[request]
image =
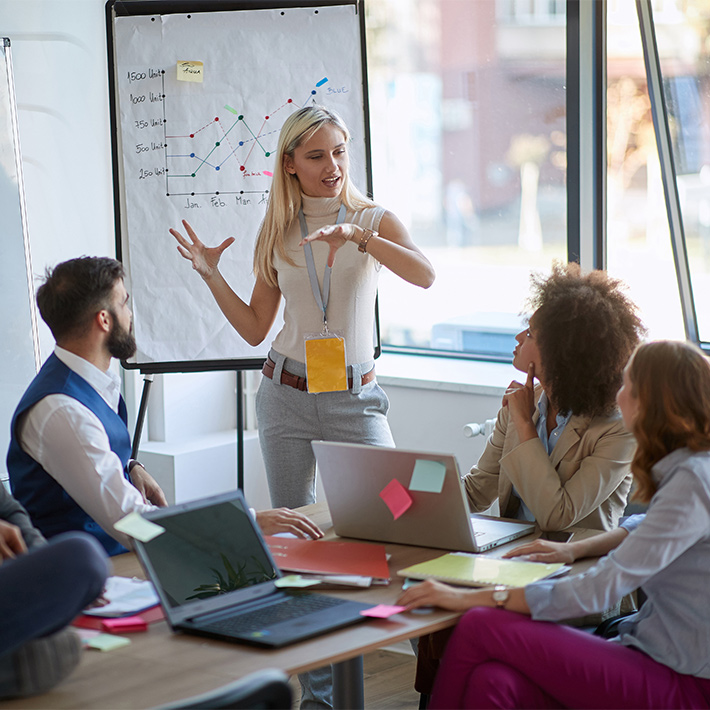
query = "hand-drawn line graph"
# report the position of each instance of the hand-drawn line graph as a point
(227, 154)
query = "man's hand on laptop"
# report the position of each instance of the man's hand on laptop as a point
(279, 520)
(147, 486)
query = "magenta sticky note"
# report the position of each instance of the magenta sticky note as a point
(124, 624)
(382, 611)
(397, 498)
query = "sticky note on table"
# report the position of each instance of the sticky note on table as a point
(124, 624)
(382, 611)
(136, 526)
(396, 497)
(190, 71)
(107, 642)
(294, 581)
(428, 476)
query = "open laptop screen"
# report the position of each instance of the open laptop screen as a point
(206, 551)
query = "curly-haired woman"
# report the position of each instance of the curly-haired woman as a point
(559, 453)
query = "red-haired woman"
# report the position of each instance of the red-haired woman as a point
(499, 657)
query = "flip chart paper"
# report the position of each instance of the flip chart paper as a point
(428, 476)
(136, 526)
(382, 611)
(396, 497)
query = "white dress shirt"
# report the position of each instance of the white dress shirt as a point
(72, 446)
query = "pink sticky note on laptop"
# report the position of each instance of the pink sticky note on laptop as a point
(396, 497)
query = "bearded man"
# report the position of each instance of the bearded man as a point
(69, 456)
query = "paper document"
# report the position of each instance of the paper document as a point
(478, 571)
(126, 596)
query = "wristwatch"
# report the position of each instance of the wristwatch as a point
(500, 595)
(132, 464)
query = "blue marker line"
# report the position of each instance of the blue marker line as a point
(322, 81)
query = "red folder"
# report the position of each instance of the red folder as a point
(329, 557)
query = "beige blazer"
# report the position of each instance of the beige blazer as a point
(585, 481)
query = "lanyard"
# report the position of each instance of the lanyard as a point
(321, 297)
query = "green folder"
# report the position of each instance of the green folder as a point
(476, 571)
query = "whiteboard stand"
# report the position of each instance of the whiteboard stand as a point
(143, 409)
(203, 149)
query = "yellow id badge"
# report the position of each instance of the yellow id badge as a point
(325, 364)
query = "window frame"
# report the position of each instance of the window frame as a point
(661, 125)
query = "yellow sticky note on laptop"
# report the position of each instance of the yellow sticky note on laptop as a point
(190, 71)
(137, 527)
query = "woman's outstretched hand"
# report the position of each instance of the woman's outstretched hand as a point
(333, 234)
(432, 593)
(204, 259)
(544, 551)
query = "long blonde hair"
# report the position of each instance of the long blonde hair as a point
(285, 196)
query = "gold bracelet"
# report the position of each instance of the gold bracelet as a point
(367, 234)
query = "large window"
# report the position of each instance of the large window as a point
(467, 104)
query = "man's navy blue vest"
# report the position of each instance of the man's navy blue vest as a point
(51, 508)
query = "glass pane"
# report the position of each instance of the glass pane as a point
(467, 106)
(638, 246)
(683, 38)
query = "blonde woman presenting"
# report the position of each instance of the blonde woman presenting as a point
(312, 179)
(319, 248)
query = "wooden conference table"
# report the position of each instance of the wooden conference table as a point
(160, 667)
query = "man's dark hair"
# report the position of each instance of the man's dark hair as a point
(586, 328)
(74, 291)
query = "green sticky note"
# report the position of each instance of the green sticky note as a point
(136, 526)
(295, 581)
(108, 642)
(428, 476)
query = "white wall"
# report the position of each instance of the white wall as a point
(59, 57)
(61, 85)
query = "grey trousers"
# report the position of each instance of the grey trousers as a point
(288, 421)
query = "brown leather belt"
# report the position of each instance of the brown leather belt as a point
(299, 383)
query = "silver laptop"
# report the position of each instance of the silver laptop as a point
(354, 475)
(215, 576)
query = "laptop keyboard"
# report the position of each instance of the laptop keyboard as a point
(291, 608)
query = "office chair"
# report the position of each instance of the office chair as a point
(263, 690)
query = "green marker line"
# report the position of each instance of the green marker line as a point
(229, 108)
(256, 139)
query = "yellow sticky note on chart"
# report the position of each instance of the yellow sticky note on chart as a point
(190, 71)
(325, 365)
